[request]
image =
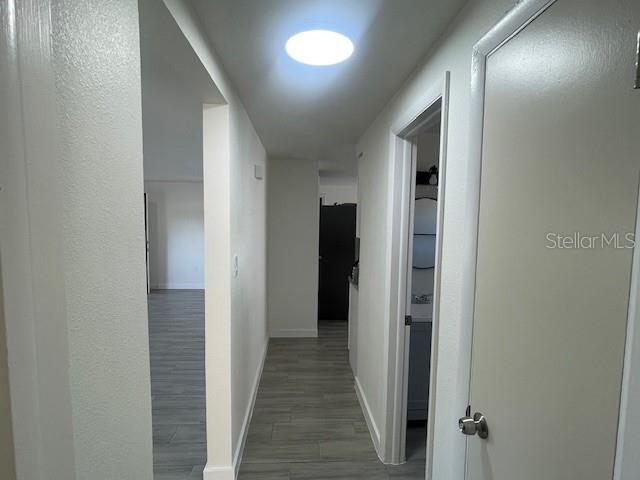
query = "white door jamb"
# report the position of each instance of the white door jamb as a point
(402, 171)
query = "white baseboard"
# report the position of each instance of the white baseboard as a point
(218, 473)
(368, 416)
(294, 333)
(178, 286)
(242, 440)
(231, 472)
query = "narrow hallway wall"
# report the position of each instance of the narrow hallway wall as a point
(293, 216)
(243, 229)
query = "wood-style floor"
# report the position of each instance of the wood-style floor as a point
(307, 423)
(176, 342)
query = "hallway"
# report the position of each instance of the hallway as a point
(307, 423)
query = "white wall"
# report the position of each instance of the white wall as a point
(338, 190)
(293, 223)
(218, 292)
(72, 229)
(176, 234)
(102, 179)
(235, 221)
(25, 176)
(453, 52)
(172, 126)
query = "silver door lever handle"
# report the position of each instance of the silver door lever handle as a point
(474, 426)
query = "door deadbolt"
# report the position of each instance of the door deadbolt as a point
(474, 426)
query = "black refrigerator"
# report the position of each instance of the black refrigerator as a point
(337, 254)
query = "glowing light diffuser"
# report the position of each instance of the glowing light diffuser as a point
(319, 47)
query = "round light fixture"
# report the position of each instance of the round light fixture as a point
(319, 47)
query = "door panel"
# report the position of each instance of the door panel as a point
(560, 155)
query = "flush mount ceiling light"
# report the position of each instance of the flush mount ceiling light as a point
(319, 47)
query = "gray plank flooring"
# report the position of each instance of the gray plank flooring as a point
(307, 423)
(176, 342)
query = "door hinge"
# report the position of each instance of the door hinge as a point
(408, 320)
(637, 84)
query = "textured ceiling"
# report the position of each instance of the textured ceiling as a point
(319, 112)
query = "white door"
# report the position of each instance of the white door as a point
(560, 162)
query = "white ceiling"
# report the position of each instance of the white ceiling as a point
(165, 52)
(311, 112)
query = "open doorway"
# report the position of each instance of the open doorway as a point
(175, 90)
(418, 194)
(420, 284)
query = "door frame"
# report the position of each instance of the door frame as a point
(401, 178)
(511, 24)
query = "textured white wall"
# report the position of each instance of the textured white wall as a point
(176, 234)
(293, 223)
(96, 57)
(73, 241)
(452, 52)
(246, 232)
